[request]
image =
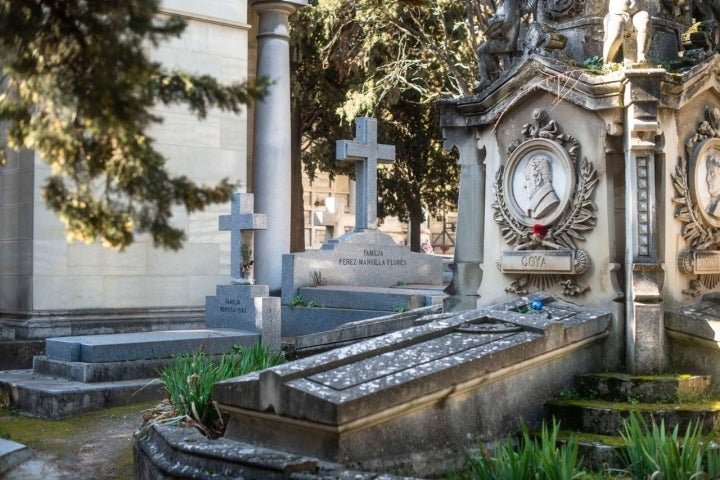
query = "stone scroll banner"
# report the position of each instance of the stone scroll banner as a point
(359, 262)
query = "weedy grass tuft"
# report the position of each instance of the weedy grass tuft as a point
(190, 377)
(653, 452)
(526, 458)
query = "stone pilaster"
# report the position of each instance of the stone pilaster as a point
(645, 332)
(467, 273)
(271, 159)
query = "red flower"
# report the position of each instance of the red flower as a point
(539, 230)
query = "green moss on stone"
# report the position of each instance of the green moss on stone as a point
(63, 438)
(707, 405)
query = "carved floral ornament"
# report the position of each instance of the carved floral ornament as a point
(558, 9)
(697, 198)
(543, 206)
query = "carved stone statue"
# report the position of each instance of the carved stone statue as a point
(624, 17)
(500, 38)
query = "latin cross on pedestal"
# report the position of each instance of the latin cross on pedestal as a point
(366, 153)
(241, 218)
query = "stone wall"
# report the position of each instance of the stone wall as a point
(42, 273)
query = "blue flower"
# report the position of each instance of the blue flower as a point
(536, 304)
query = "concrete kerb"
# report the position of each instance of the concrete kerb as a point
(172, 452)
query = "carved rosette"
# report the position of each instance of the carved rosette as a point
(696, 200)
(544, 208)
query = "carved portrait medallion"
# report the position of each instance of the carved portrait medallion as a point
(704, 180)
(538, 181)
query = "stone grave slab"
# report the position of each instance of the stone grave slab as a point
(145, 345)
(693, 333)
(369, 258)
(58, 397)
(411, 390)
(371, 298)
(364, 329)
(333, 306)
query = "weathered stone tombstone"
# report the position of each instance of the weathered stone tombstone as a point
(242, 305)
(359, 259)
(104, 368)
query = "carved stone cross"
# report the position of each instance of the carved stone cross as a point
(366, 153)
(241, 218)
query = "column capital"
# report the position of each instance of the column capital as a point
(277, 6)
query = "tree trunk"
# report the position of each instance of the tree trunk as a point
(297, 208)
(414, 232)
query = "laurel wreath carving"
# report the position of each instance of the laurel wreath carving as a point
(571, 228)
(695, 232)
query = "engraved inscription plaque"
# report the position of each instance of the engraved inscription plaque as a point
(570, 262)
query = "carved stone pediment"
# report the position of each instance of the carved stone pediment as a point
(544, 208)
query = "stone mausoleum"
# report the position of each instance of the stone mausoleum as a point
(595, 186)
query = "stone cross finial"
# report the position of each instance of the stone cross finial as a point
(366, 153)
(241, 218)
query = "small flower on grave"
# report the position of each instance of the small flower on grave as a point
(246, 266)
(246, 252)
(536, 304)
(539, 230)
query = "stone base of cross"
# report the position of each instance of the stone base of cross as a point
(242, 222)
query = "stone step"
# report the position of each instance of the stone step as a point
(606, 418)
(642, 389)
(55, 398)
(99, 372)
(145, 345)
(12, 454)
(598, 452)
(387, 299)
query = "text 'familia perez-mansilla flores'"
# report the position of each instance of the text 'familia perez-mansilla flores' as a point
(373, 258)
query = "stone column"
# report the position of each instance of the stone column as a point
(271, 140)
(645, 331)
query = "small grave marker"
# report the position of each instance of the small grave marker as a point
(241, 218)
